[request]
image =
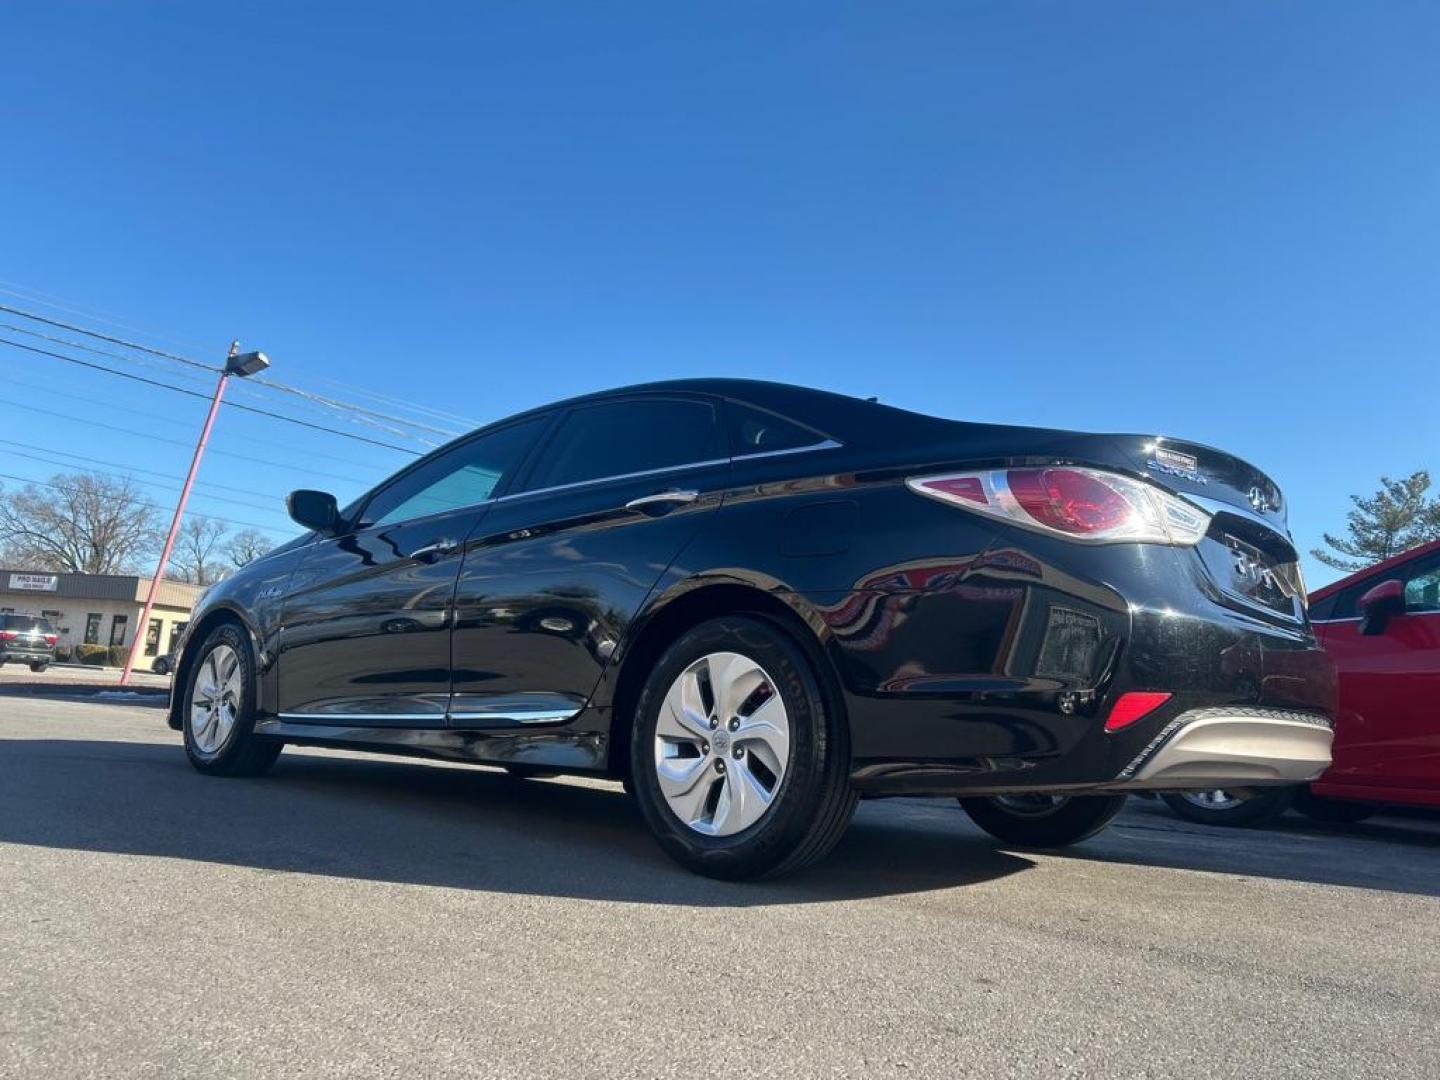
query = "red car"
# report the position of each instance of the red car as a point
(1381, 626)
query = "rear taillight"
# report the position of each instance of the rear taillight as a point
(1082, 504)
(8, 635)
(50, 639)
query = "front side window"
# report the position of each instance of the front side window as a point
(1422, 584)
(464, 476)
(624, 437)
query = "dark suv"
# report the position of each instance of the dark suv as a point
(757, 603)
(27, 639)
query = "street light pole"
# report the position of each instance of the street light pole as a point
(235, 364)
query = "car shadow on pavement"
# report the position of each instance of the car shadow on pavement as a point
(1389, 853)
(394, 820)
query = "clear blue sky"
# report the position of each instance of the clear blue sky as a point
(1211, 220)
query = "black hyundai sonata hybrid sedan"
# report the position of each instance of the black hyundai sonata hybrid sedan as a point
(757, 603)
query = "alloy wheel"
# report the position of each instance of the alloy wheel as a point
(1031, 806)
(1219, 799)
(215, 700)
(722, 744)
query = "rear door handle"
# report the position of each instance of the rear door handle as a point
(435, 552)
(662, 501)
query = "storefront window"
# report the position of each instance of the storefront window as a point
(92, 628)
(176, 629)
(152, 638)
(117, 629)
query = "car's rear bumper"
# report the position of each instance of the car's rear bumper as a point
(991, 683)
(1231, 747)
(26, 656)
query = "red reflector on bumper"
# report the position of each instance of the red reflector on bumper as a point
(1131, 707)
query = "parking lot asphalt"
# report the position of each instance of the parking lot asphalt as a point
(354, 916)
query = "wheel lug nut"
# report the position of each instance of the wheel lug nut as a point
(704, 747)
(714, 722)
(734, 723)
(719, 765)
(737, 753)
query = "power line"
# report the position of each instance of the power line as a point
(197, 394)
(176, 422)
(179, 442)
(269, 384)
(113, 340)
(88, 465)
(112, 498)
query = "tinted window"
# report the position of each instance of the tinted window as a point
(1323, 610)
(1345, 601)
(463, 476)
(627, 437)
(754, 431)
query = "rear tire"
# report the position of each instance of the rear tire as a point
(38, 668)
(1026, 821)
(1333, 811)
(218, 709)
(1221, 807)
(760, 791)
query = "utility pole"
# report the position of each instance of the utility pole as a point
(236, 363)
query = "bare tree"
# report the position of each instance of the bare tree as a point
(198, 546)
(246, 546)
(89, 523)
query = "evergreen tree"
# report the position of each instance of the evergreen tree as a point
(1394, 519)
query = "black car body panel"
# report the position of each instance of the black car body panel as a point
(968, 654)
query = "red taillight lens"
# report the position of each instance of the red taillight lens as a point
(1089, 505)
(50, 639)
(1134, 706)
(8, 635)
(1068, 500)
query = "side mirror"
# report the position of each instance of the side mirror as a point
(316, 510)
(1379, 604)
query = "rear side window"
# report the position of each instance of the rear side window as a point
(624, 437)
(23, 624)
(754, 431)
(462, 476)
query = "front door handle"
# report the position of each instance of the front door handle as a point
(662, 501)
(435, 552)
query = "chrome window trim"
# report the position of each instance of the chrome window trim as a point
(610, 479)
(1361, 618)
(823, 444)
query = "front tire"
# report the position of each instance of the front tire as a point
(1221, 807)
(1043, 821)
(38, 668)
(219, 709)
(739, 764)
